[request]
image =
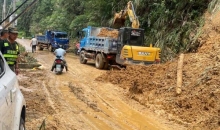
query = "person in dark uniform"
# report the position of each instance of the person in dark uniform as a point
(4, 34)
(10, 49)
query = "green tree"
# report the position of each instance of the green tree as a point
(168, 24)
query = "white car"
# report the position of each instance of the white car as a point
(12, 102)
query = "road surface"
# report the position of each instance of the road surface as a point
(75, 100)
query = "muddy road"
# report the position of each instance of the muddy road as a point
(75, 100)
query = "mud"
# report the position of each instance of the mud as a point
(154, 86)
(74, 100)
(135, 98)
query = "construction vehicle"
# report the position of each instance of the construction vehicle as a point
(52, 39)
(131, 49)
(130, 42)
(95, 46)
(125, 48)
(120, 18)
(111, 47)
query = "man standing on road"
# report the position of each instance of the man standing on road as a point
(10, 49)
(33, 44)
(60, 52)
(4, 34)
(77, 46)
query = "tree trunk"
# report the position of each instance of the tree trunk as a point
(179, 74)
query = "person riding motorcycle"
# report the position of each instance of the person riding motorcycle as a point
(60, 52)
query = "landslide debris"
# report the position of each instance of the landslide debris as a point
(198, 106)
(25, 57)
(106, 32)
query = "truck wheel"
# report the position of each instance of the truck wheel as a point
(40, 48)
(99, 64)
(106, 65)
(82, 57)
(76, 51)
(50, 48)
(22, 124)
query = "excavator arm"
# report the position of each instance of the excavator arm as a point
(119, 18)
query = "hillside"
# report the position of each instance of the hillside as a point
(154, 86)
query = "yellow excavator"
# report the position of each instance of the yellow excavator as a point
(119, 18)
(130, 45)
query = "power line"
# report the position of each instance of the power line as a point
(26, 9)
(13, 12)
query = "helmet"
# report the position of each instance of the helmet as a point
(60, 46)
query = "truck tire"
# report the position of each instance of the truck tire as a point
(40, 48)
(99, 63)
(76, 51)
(82, 57)
(106, 66)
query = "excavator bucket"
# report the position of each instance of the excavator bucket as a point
(119, 20)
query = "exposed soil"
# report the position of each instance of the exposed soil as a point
(74, 100)
(154, 86)
(86, 98)
(106, 32)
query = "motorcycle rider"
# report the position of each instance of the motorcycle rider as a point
(60, 52)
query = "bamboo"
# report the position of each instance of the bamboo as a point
(179, 74)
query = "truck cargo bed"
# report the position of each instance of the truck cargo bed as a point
(103, 44)
(42, 39)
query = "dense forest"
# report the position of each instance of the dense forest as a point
(171, 25)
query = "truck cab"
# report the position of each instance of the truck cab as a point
(56, 38)
(12, 102)
(83, 36)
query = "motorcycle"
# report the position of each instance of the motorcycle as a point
(59, 65)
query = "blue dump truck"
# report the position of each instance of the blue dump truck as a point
(52, 39)
(115, 47)
(94, 46)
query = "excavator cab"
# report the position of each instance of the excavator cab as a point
(131, 49)
(127, 38)
(131, 36)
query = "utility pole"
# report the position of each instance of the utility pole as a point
(13, 16)
(3, 10)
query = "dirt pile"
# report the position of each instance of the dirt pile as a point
(197, 107)
(26, 57)
(38, 106)
(106, 32)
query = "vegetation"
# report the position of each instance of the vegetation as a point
(8, 6)
(172, 25)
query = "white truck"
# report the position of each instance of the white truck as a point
(12, 102)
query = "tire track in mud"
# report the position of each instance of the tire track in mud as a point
(93, 101)
(82, 103)
(103, 103)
